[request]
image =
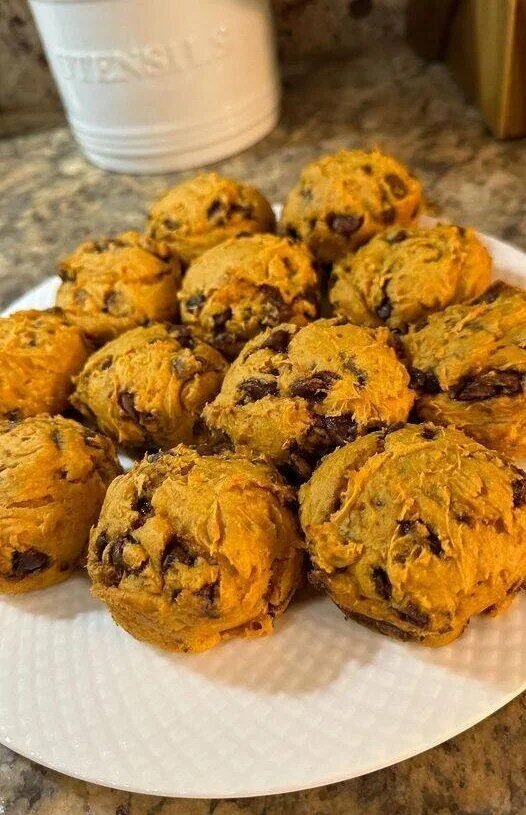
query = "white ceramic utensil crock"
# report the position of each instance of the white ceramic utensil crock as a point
(152, 86)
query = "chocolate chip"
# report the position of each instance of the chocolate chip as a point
(397, 237)
(13, 415)
(489, 385)
(278, 341)
(292, 232)
(424, 381)
(464, 518)
(126, 401)
(56, 438)
(342, 224)
(184, 336)
(314, 388)
(396, 185)
(411, 614)
(434, 542)
(115, 555)
(220, 320)
(171, 223)
(254, 389)
(492, 293)
(143, 506)
(385, 308)
(105, 364)
(429, 433)
(101, 544)
(195, 302)
(274, 308)
(382, 584)
(349, 365)
(29, 561)
(109, 301)
(392, 428)
(388, 216)
(367, 169)
(341, 429)
(209, 593)
(519, 491)
(215, 208)
(405, 527)
(176, 551)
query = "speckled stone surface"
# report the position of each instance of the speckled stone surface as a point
(51, 199)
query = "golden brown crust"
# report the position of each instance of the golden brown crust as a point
(54, 477)
(114, 284)
(415, 532)
(40, 352)
(192, 550)
(342, 200)
(294, 394)
(205, 211)
(403, 275)
(245, 285)
(147, 388)
(468, 365)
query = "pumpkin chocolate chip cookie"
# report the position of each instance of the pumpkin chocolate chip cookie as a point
(115, 284)
(243, 286)
(40, 351)
(468, 365)
(54, 477)
(296, 393)
(402, 275)
(207, 210)
(191, 550)
(416, 531)
(147, 388)
(342, 200)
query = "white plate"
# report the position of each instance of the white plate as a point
(320, 701)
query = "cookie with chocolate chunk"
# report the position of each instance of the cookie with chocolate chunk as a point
(192, 550)
(342, 200)
(294, 393)
(414, 532)
(207, 210)
(243, 286)
(468, 366)
(147, 388)
(40, 352)
(403, 275)
(54, 477)
(114, 284)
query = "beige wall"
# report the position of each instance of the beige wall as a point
(28, 99)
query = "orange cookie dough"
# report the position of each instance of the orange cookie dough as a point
(414, 532)
(468, 366)
(403, 275)
(191, 550)
(243, 286)
(40, 351)
(147, 388)
(342, 200)
(207, 210)
(295, 393)
(115, 284)
(54, 476)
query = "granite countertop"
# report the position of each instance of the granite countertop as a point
(51, 199)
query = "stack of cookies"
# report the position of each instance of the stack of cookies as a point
(363, 442)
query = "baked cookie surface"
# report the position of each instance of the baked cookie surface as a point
(414, 532)
(294, 393)
(114, 284)
(40, 352)
(245, 285)
(402, 275)
(207, 210)
(468, 365)
(342, 200)
(54, 476)
(146, 389)
(191, 550)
